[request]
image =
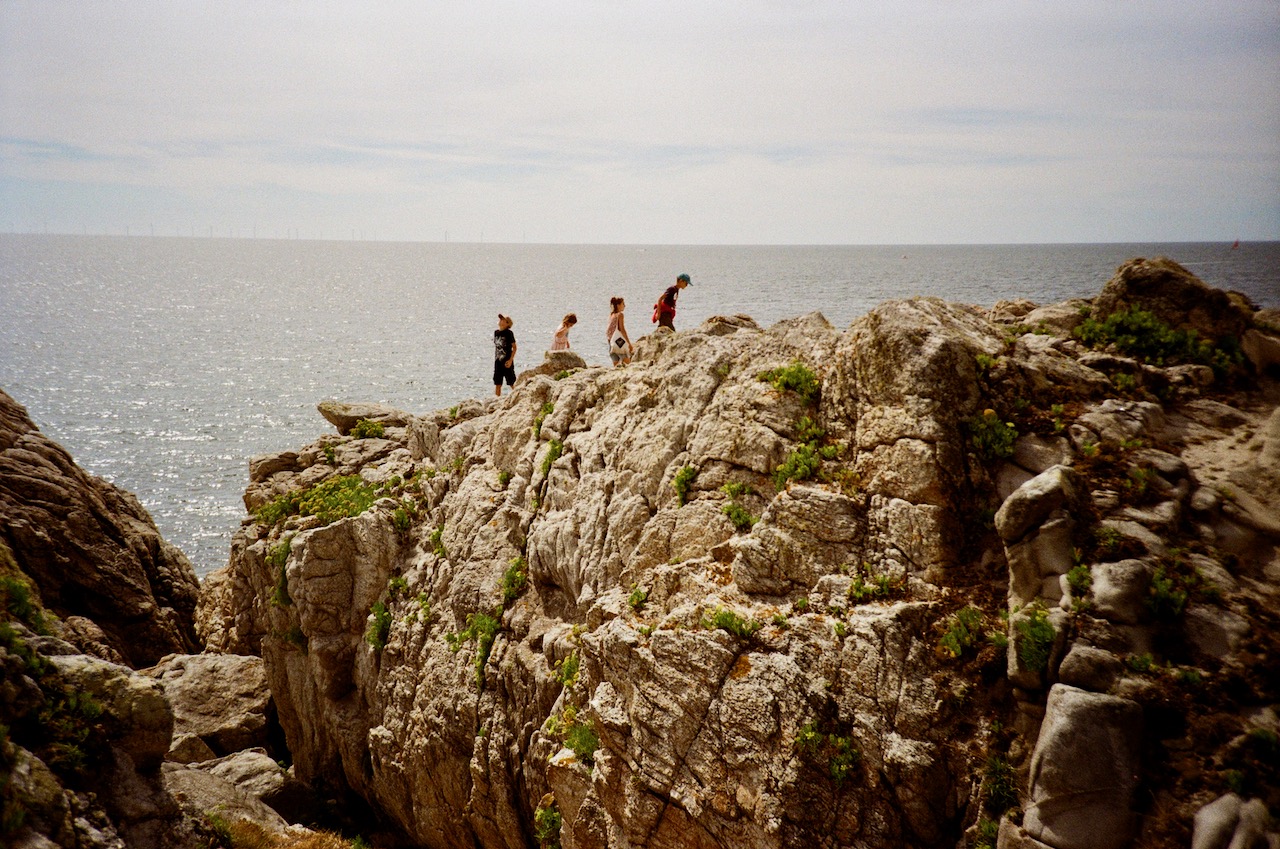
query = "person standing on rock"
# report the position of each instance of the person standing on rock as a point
(620, 349)
(560, 341)
(664, 311)
(504, 354)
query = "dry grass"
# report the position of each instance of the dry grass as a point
(248, 835)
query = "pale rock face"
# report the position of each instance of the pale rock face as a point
(1083, 771)
(562, 630)
(222, 700)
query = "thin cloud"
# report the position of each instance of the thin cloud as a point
(743, 122)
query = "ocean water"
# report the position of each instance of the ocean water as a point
(164, 364)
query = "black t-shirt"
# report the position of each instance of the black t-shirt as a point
(503, 342)
(669, 297)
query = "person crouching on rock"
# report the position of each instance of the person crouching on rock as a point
(560, 341)
(620, 349)
(664, 311)
(504, 354)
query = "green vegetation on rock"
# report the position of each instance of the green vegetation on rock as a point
(797, 378)
(1141, 334)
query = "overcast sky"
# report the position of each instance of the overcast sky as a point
(687, 122)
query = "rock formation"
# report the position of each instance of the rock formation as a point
(91, 551)
(947, 575)
(89, 757)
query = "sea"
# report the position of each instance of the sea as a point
(164, 364)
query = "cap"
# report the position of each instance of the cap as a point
(685, 279)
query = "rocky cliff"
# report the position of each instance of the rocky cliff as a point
(95, 754)
(90, 551)
(950, 576)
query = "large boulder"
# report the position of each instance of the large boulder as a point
(1084, 771)
(136, 712)
(1176, 296)
(90, 548)
(345, 416)
(220, 699)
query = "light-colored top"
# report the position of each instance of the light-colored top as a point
(560, 341)
(614, 318)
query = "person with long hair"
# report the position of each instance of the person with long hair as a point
(620, 348)
(560, 341)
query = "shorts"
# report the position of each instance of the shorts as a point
(667, 320)
(503, 372)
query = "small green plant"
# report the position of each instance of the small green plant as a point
(368, 429)
(801, 604)
(514, 580)
(546, 827)
(797, 378)
(801, 464)
(639, 596)
(566, 670)
(780, 621)
(554, 449)
(402, 520)
(436, 542)
(424, 608)
(583, 742)
(547, 409)
(379, 626)
(1124, 382)
(839, 752)
(991, 437)
(841, 629)
(221, 829)
(1141, 663)
(736, 489)
(17, 600)
(1189, 677)
(988, 832)
(453, 411)
(681, 483)
(742, 520)
(727, 620)
(1000, 784)
(985, 362)
(569, 372)
(330, 456)
(866, 587)
(1058, 410)
(71, 729)
(1080, 579)
(482, 628)
(807, 430)
(504, 478)
(1107, 537)
(1036, 638)
(963, 628)
(277, 557)
(1167, 595)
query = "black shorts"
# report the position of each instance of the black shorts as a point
(503, 372)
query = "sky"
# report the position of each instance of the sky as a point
(746, 122)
